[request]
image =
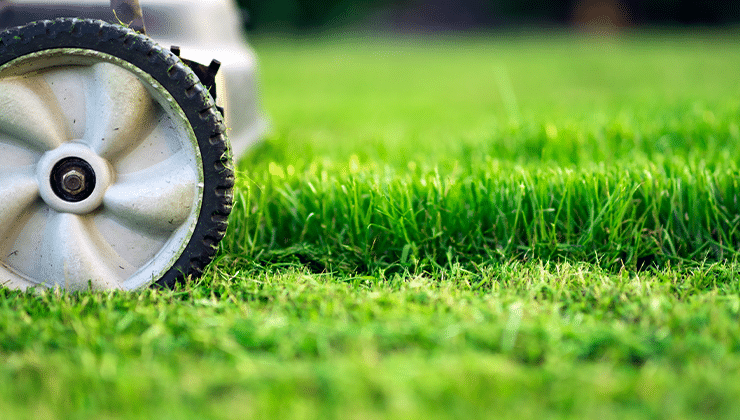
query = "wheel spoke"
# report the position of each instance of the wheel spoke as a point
(30, 114)
(122, 114)
(155, 200)
(74, 255)
(14, 156)
(70, 87)
(22, 243)
(134, 246)
(162, 143)
(18, 191)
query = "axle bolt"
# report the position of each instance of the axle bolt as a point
(73, 181)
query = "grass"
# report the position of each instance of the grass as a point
(632, 215)
(508, 226)
(620, 152)
(530, 340)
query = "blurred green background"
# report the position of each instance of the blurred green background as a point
(412, 15)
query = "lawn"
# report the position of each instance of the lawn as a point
(522, 225)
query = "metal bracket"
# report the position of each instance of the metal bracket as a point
(129, 13)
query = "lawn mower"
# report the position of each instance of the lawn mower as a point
(115, 167)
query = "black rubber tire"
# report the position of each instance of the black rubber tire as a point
(184, 86)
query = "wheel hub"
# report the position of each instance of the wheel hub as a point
(72, 179)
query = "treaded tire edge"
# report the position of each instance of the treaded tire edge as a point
(184, 86)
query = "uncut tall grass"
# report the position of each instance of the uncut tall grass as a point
(616, 151)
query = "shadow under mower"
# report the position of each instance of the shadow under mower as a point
(115, 168)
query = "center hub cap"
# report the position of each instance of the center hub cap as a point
(73, 178)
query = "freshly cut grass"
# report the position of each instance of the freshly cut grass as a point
(517, 226)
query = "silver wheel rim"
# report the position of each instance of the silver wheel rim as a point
(139, 153)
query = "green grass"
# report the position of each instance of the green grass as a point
(504, 226)
(620, 152)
